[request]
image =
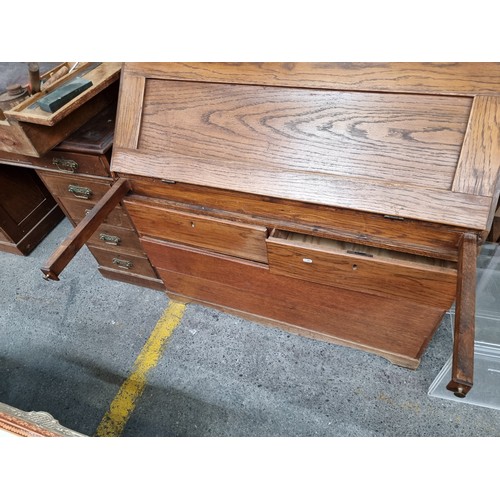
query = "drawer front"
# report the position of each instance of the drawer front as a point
(133, 279)
(78, 209)
(393, 233)
(362, 268)
(75, 163)
(396, 326)
(75, 187)
(117, 239)
(122, 261)
(62, 161)
(229, 238)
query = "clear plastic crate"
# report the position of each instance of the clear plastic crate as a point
(486, 388)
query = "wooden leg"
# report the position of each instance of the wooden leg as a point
(465, 307)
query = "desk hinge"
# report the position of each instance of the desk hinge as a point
(393, 217)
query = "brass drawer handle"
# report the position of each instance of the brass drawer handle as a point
(80, 192)
(125, 264)
(110, 239)
(65, 165)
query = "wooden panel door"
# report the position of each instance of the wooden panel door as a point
(27, 209)
(23, 198)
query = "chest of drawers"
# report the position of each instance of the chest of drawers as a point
(345, 202)
(77, 174)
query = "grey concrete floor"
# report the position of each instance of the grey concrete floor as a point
(66, 347)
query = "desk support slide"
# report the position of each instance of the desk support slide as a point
(83, 231)
(463, 342)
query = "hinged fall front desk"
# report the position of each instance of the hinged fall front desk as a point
(344, 202)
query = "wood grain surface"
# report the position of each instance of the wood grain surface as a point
(479, 165)
(396, 326)
(129, 111)
(102, 76)
(434, 78)
(403, 139)
(361, 268)
(139, 265)
(390, 154)
(96, 165)
(462, 369)
(36, 140)
(427, 204)
(76, 210)
(133, 279)
(14, 139)
(58, 184)
(128, 240)
(230, 238)
(422, 238)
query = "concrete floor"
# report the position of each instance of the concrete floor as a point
(66, 347)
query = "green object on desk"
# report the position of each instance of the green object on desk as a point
(62, 95)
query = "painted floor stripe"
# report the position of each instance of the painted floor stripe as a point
(123, 405)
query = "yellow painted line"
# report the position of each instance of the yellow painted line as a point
(123, 405)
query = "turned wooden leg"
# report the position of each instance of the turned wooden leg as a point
(465, 307)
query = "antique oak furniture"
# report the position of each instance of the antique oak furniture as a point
(344, 202)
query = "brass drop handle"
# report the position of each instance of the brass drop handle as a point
(124, 264)
(110, 239)
(65, 165)
(80, 192)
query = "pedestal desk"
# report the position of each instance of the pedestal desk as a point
(344, 202)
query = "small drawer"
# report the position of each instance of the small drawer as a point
(74, 186)
(63, 162)
(362, 268)
(229, 238)
(117, 238)
(76, 163)
(121, 261)
(78, 209)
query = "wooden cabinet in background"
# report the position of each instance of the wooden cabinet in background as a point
(77, 174)
(28, 212)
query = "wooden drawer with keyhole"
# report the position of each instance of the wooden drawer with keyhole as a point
(245, 241)
(359, 267)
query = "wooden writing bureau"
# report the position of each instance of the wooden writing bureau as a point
(344, 202)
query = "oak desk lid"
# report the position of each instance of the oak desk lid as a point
(412, 140)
